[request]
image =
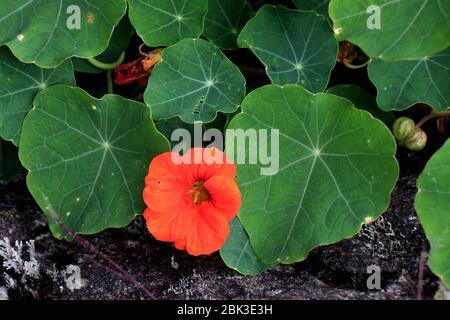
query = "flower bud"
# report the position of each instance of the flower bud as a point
(417, 140)
(402, 128)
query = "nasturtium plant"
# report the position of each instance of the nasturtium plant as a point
(321, 6)
(87, 157)
(296, 47)
(362, 100)
(242, 68)
(163, 23)
(41, 32)
(191, 202)
(9, 162)
(113, 55)
(194, 81)
(336, 172)
(225, 20)
(393, 30)
(432, 205)
(238, 254)
(401, 84)
(19, 85)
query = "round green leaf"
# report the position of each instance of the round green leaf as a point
(321, 6)
(402, 84)
(433, 207)
(194, 81)
(296, 47)
(408, 29)
(19, 85)
(46, 33)
(336, 171)
(117, 45)
(362, 100)
(165, 22)
(9, 161)
(225, 20)
(89, 157)
(237, 252)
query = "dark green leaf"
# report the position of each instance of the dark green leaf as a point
(237, 252)
(402, 84)
(225, 20)
(19, 85)
(296, 47)
(432, 205)
(409, 29)
(362, 100)
(337, 169)
(194, 81)
(89, 157)
(37, 30)
(9, 161)
(165, 22)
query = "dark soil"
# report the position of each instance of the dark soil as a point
(394, 243)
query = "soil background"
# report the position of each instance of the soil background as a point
(394, 243)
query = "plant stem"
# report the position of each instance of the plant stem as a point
(252, 70)
(421, 276)
(433, 115)
(116, 268)
(107, 66)
(351, 66)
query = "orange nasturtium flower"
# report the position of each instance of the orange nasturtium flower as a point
(190, 201)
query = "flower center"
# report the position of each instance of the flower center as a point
(198, 193)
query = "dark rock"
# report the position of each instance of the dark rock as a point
(394, 243)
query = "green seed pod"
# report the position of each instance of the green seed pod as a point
(417, 140)
(402, 128)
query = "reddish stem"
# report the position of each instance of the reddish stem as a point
(433, 115)
(421, 276)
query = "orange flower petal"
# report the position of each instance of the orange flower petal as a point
(225, 197)
(172, 225)
(207, 235)
(172, 215)
(212, 162)
(165, 184)
(181, 244)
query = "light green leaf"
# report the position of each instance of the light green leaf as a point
(194, 81)
(321, 6)
(89, 157)
(9, 161)
(362, 100)
(402, 84)
(408, 29)
(296, 47)
(336, 171)
(117, 45)
(225, 20)
(38, 30)
(19, 85)
(163, 23)
(433, 207)
(237, 252)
